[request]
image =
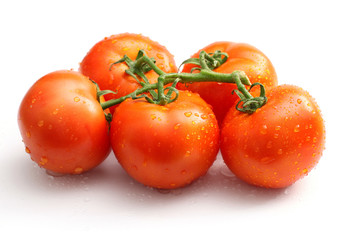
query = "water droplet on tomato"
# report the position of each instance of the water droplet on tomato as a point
(27, 150)
(56, 111)
(177, 126)
(78, 170)
(269, 144)
(76, 99)
(160, 56)
(297, 128)
(183, 172)
(276, 135)
(188, 153)
(263, 129)
(43, 161)
(40, 123)
(305, 171)
(28, 134)
(299, 101)
(280, 151)
(188, 114)
(203, 116)
(187, 136)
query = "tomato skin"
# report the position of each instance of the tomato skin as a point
(63, 125)
(241, 57)
(279, 143)
(96, 64)
(167, 146)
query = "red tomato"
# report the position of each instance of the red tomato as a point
(279, 143)
(63, 125)
(241, 57)
(96, 64)
(165, 146)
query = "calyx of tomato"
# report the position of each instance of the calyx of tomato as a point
(157, 93)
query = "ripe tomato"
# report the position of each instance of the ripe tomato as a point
(165, 146)
(96, 64)
(63, 125)
(241, 57)
(279, 143)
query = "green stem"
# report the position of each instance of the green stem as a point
(204, 75)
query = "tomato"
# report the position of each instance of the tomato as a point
(279, 143)
(63, 125)
(98, 61)
(167, 146)
(242, 57)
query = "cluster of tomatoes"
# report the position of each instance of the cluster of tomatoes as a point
(64, 128)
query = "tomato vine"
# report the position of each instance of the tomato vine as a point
(161, 95)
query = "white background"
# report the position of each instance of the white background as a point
(312, 44)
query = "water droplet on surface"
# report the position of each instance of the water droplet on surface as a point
(40, 123)
(280, 151)
(76, 99)
(297, 128)
(263, 129)
(203, 116)
(28, 134)
(177, 126)
(188, 153)
(160, 56)
(188, 114)
(27, 150)
(78, 170)
(299, 101)
(43, 161)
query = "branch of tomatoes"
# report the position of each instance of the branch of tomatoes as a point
(164, 95)
(61, 118)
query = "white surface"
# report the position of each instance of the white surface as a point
(312, 44)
